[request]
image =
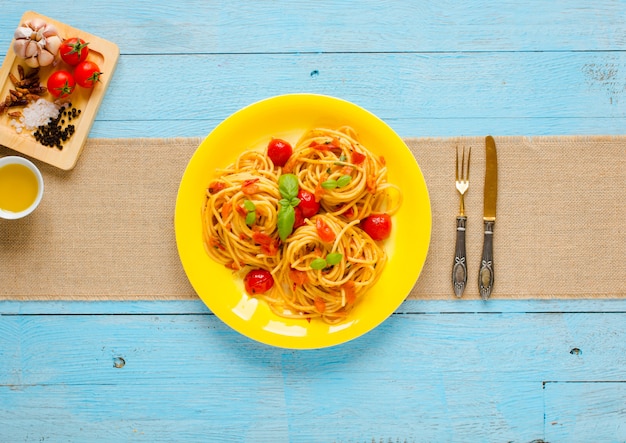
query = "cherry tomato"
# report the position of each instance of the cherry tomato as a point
(299, 218)
(377, 226)
(279, 151)
(73, 51)
(323, 230)
(258, 281)
(307, 205)
(61, 84)
(87, 74)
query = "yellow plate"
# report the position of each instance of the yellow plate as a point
(287, 117)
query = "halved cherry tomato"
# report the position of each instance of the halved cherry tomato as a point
(279, 151)
(216, 187)
(87, 74)
(320, 304)
(61, 84)
(377, 226)
(323, 230)
(349, 288)
(357, 157)
(298, 277)
(74, 50)
(261, 239)
(307, 205)
(250, 187)
(349, 213)
(269, 246)
(258, 281)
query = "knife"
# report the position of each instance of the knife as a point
(486, 274)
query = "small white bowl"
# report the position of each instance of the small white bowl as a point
(4, 161)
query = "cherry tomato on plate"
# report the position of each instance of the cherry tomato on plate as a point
(298, 218)
(61, 84)
(377, 226)
(73, 51)
(258, 281)
(87, 74)
(279, 151)
(307, 205)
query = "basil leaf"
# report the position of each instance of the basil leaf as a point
(344, 180)
(288, 186)
(329, 184)
(249, 205)
(284, 202)
(286, 219)
(334, 258)
(294, 202)
(318, 263)
(251, 218)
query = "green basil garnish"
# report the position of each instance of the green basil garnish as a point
(329, 184)
(334, 258)
(344, 180)
(286, 219)
(318, 263)
(249, 205)
(288, 186)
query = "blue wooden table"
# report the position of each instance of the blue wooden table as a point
(453, 370)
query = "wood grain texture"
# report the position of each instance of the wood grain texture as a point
(342, 26)
(427, 95)
(183, 375)
(573, 408)
(453, 371)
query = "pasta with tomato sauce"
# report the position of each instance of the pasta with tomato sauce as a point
(292, 222)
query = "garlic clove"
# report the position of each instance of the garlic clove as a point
(36, 23)
(32, 49)
(53, 43)
(45, 58)
(50, 31)
(19, 46)
(32, 62)
(22, 32)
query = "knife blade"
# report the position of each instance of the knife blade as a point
(490, 195)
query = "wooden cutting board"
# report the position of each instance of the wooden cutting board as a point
(102, 52)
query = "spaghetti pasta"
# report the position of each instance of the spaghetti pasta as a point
(326, 262)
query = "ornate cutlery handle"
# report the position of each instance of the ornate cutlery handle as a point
(459, 267)
(485, 275)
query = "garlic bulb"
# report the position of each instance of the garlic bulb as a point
(37, 42)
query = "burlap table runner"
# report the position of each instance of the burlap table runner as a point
(105, 230)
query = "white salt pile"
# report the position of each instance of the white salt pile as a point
(36, 114)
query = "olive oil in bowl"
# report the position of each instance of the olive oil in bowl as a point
(21, 187)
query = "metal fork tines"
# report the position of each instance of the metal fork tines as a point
(459, 267)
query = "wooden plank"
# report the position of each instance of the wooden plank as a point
(197, 26)
(585, 411)
(408, 127)
(471, 347)
(510, 93)
(512, 85)
(212, 411)
(186, 374)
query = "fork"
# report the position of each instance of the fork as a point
(459, 268)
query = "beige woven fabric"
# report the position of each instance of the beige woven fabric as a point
(105, 230)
